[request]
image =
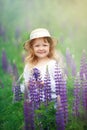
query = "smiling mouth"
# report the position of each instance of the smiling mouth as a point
(41, 52)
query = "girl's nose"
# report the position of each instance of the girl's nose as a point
(41, 48)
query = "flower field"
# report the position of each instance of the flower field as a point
(17, 113)
(69, 111)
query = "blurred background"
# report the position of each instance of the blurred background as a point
(65, 19)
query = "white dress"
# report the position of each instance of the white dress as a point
(51, 67)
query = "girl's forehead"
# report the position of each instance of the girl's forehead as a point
(37, 40)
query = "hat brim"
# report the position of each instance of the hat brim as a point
(26, 44)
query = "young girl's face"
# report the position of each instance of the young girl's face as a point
(41, 47)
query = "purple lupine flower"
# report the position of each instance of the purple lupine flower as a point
(36, 73)
(31, 89)
(83, 77)
(28, 111)
(15, 71)
(2, 32)
(61, 90)
(83, 65)
(84, 93)
(28, 115)
(17, 94)
(47, 88)
(32, 99)
(34, 93)
(73, 67)
(10, 69)
(40, 88)
(4, 61)
(77, 99)
(36, 96)
(70, 62)
(68, 57)
(35, 88)
(60, 123)
(26, 93)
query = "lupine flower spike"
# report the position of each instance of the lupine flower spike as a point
(83, 65)
(4, 61)
(47, 88)
(15, 71)
(77, 95)
(84, 94)
(28, 115)
(35, 87)
(17, 94)
(61, 90)
(60, 115)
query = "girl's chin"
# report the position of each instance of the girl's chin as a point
(42, 56)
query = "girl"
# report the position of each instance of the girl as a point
(40, 54)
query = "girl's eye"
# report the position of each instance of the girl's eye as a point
(45, 45)
(36, 46)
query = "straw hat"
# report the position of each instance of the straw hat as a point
(37, 33)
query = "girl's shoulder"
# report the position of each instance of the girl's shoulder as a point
(26, 67)
(52, 62)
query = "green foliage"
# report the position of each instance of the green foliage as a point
(45, 117)
(76, 123)
(11, 115)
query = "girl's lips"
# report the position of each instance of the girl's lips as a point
(41, 52)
